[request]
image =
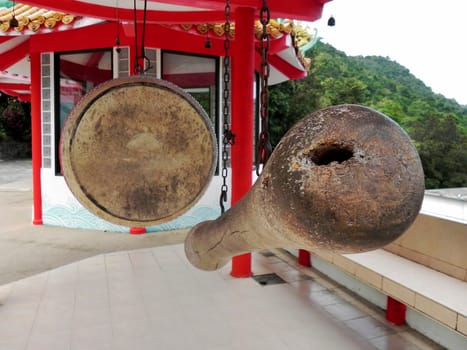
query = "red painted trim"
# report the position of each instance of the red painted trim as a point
(25, 88)
(20, 79)
(109, 13)
(104, 35)
(276, 45)
(301, 10)
(200, 3)
(243, 67)
(185, 41)
(97, 37)
(14, 55)
(95, 59)
(10, 92)
(36, 137)
(285, 68)
(191, 80)
(24, 97)
(5, 38)
(79, 72)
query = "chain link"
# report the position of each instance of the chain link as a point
(264, 145)
(228, 137)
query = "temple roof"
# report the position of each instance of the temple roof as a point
(32, 18)
(20, 21)
(176, 11)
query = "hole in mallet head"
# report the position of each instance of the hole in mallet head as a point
(326, 154)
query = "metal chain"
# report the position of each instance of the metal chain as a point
(228, 137)
(264, 144)
(141, 60)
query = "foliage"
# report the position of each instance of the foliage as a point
(437, 125)
(6, 3)
(15, 120)
(2, 134)
(442, 149)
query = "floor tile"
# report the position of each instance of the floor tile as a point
(15, 343)
(344, 311)
(52, 340)
(154, 299)
(393, 342)
(369, 328)
(91, 337)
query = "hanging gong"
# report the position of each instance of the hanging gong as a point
(138, 151)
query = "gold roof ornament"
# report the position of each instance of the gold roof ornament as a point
(32, 18)
(302, 39)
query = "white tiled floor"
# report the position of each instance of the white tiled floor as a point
(154, 299)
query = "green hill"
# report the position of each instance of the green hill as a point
(437, 125)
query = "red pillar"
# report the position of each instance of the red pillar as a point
(242, 117)
(304, 257)
(395, 311)
(35, 59)
(129, 30)
(137, 230)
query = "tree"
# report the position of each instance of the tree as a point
(15, 120)
(441, 146)
(290, 102)
(391, 108)
(382, 84)
(343, 90)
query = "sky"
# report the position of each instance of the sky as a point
(429, 37)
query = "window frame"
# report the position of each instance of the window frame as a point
(58, 125)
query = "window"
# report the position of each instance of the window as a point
(197, 75)
(75, 74)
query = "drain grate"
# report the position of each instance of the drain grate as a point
(268, 279)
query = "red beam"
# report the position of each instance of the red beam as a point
(79, 72)
(86, 9)
(191, 80)
(300, 9)
(97, 37)
(285, 68)
(103, 36)
(24, 97)
(282, 66)
(95, 59)
(14, 55)
(15, 86)
(179, 40)
(277, 45)
(309, 10)
(19, 95)
(6, 38)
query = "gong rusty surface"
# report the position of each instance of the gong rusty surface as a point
(138, 151)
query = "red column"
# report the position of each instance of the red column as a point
(138, 230)
(242, 117)
(304, 257)
(395, 311)
(35, 59)
(129, 30)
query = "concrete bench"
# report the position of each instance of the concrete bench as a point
(432, 293)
